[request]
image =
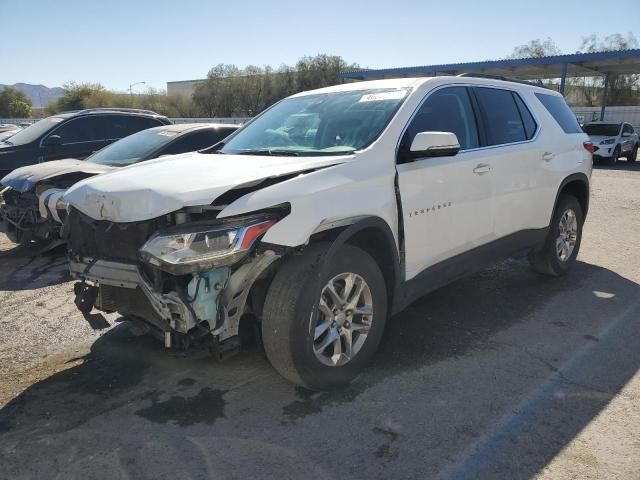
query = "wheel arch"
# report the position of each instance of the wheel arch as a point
(577, 185)
(374, 236)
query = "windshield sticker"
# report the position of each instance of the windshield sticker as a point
(168, 133)
(376, 97)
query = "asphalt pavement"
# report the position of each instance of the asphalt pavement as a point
(505, 374)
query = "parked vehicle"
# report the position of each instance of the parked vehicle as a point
(73, 135)
(612, 141)
(329, 212)
(4, 134)
(31, 207)
(4, 127)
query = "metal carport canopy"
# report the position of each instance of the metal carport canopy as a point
(590, 64)
(556, 66)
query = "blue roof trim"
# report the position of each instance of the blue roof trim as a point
(516, 62)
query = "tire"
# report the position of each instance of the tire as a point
(633, 155)
(292, 308)
(613, 159)
(546, 259)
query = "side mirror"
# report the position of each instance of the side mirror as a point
(434, 144)
(626, 134)
(53, 141)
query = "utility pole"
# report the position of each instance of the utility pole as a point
(131, 85)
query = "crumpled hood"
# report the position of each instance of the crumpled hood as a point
(24, 179)
(164, 185)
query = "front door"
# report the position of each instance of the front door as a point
(79, 138)
(446, 201)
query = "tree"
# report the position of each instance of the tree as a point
(536, 48)
(623, 89)
(231, 91)
(14, 104)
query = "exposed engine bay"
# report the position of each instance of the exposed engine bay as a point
(32, 206)
(34, 215)
(143, 271)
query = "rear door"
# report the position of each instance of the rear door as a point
(516, 160)
(446, 201)
(79, 138)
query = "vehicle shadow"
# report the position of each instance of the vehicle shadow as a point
(25, 267)
(129, 391)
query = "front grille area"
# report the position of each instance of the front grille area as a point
(127, 301)
(106, 240)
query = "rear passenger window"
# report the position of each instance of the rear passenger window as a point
(120, 126)
(527, 118)
(446, 110)
(83, 129)
(561, 112)
(502, 119)
(196, 141)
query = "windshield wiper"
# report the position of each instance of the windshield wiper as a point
(271, 152)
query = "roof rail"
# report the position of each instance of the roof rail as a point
(117, 109)
(504, 79)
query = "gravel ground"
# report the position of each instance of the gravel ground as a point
(505, 374)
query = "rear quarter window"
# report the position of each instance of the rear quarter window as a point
(561, 112)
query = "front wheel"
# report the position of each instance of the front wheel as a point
(613, 159)
(558, 253)
(322, 323)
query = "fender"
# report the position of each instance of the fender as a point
(394, 259)
(581, 177)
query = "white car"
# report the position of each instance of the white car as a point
(331, 211)
(612, 141)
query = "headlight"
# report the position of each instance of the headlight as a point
(608, 141)
(204, 247)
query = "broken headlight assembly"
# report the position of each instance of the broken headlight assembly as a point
(202, 247)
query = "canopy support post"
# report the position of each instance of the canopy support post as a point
(563, 78)
(604, 96)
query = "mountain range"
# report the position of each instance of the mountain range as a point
(39, 95)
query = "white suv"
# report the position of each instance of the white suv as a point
(612, 141)
(331, 211)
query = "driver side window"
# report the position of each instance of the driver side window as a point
(446, 110)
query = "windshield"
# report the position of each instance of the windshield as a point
(324, 124)
(134, 148)
(34, 131)
(602, 129)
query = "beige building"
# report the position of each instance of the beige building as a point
(182, 87)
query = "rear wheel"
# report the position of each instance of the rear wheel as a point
(321, 326)
(558, 253)
(633, 155)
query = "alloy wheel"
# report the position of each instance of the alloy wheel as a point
(344, 319)
(568, 235)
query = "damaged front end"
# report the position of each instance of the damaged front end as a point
(37, 214)
(188, 276)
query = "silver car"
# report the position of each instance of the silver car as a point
(613, 140)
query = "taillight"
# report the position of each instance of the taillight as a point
(588, 146)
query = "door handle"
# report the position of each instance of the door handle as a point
(547, 156)
(482, 168)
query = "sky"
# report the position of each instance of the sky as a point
(118, 42)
